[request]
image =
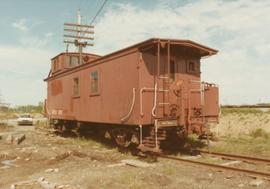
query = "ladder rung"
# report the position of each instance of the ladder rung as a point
(163, 90)
(164, 103)
(162, 77)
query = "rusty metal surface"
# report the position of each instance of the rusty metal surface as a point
(238, 157)
(211, 100)
(177, 95)
(220, 167)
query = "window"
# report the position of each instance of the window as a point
(55, 65)
(94, 88)
(76, 86)
(191, 66)
(74, 61)
(172, 70)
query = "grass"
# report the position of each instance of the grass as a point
(169, 171)
(7, 116)
(193, 142)
(225, 111)
(42, 124)
(5, 127)
(129, 180)
(208, 159)
(257, 143)
(81, 141)
(259, 133)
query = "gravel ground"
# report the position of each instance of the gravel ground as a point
(44, 160)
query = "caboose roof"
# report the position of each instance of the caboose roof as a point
(201, 50)
(204, 50)
(76, 53)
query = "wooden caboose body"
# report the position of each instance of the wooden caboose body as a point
(155, 83)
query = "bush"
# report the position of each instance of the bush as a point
(5, 127)
(259, 133)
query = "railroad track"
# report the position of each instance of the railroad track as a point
(238, 157)
(250, 172)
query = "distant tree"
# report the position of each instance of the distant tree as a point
(28, 108)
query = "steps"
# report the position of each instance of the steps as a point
(149, 143)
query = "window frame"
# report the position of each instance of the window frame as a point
(94, 93)
(71, 61)
(173, 61)
(195, 70)
(55, 64)
(73, 87)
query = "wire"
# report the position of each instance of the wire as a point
(89, 4)
(100, 9)
(98, 12)
(94, 18)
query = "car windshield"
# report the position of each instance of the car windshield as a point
(25, 116)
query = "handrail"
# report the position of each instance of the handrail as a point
(147, 89)
(155, 102)
(123, 119)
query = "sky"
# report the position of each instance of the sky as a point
(32, 33)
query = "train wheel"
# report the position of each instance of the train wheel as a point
(122, 137)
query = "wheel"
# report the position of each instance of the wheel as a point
(122, 137)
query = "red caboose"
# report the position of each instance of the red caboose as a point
(145, 93)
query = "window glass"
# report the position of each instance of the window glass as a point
(191, 66)
(76, 86)
(94, 82)
(74, 61)
(54, 65)
(172, 70)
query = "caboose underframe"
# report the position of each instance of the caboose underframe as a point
(145, 93)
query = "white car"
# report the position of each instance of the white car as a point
(25, 119)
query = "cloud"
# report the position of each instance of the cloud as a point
(31, 40)
(24, 65)
(49, 34)
(21, 25)
(22, 70)
(238, 29)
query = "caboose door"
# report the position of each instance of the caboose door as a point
(169, 83)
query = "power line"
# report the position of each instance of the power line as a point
(94, 18)
(89, 4)
(100, 9)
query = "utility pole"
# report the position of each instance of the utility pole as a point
(78, 34)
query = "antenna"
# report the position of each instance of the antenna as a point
(78, 34)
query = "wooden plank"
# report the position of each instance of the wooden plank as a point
(136, 163)
(72, 42)
(79, 37)
(81, 31)
(78, 25)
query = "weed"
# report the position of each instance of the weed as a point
(42, 124)
(241, 118)
(5, 127)
(81, 141)
(259, 133)
(245, 144)
(168, 171)
(193, 142)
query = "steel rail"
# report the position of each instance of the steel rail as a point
(251, 172)
(233, 156)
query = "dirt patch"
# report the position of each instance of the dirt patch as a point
(161, 180)
(77, 163)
